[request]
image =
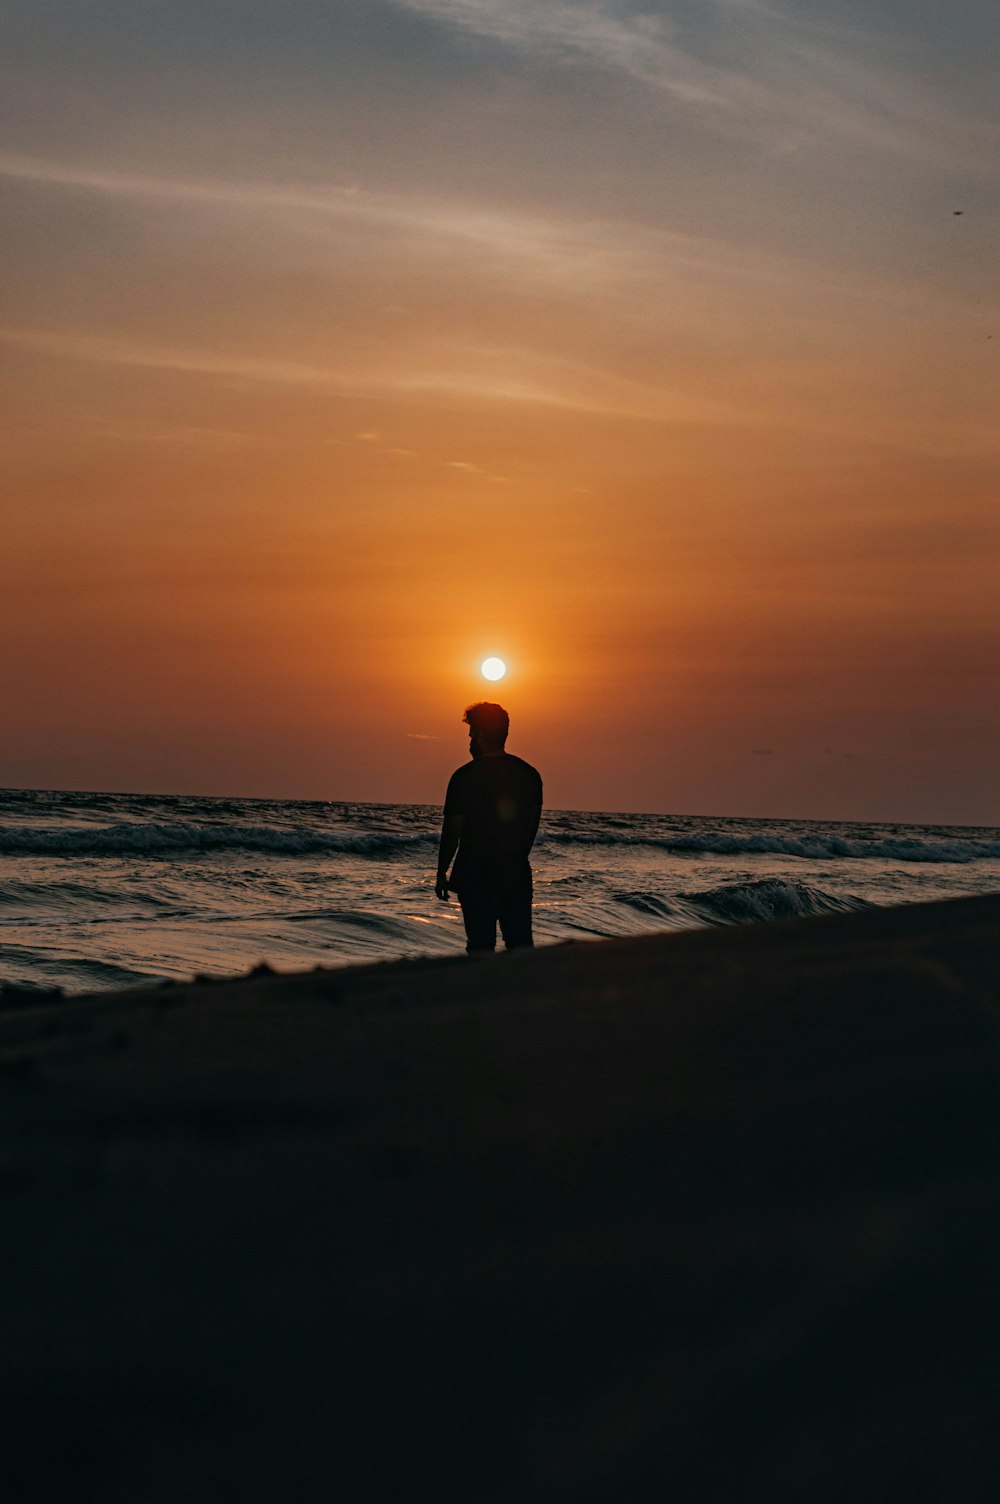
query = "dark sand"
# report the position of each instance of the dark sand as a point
(713, 1216)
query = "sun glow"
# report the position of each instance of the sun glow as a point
(493, 668)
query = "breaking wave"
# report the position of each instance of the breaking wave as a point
(138, 839)
(812, 847)
(750, 903)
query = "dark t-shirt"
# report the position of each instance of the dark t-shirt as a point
(499, 799)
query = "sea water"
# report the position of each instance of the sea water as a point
(116, 890)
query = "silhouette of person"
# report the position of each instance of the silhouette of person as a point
(491, 814)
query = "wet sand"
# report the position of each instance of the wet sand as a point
(713, 1215)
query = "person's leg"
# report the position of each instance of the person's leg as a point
(480, 915)
(515, 913)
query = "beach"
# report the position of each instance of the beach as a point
(704, 1215)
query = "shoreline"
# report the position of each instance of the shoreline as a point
(713, 1213)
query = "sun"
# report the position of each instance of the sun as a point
(493, 668)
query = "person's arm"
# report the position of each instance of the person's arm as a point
(451, 833)
(534, 816)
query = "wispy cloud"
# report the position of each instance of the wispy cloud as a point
(588, 250)
(467, 468)
(484, 377)
(126, 352)
(552, 249)
(572, 256)
(639, 46)
(474, 375)
(510, 375)
(481, 376)
(453, 374)
(796, 71)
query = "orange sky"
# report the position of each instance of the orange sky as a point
(657, 363)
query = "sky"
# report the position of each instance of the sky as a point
(652, 347)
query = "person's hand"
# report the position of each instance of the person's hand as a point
(441, 886)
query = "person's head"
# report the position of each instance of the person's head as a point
(488, 726)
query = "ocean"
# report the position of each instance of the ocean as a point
(117, 890)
